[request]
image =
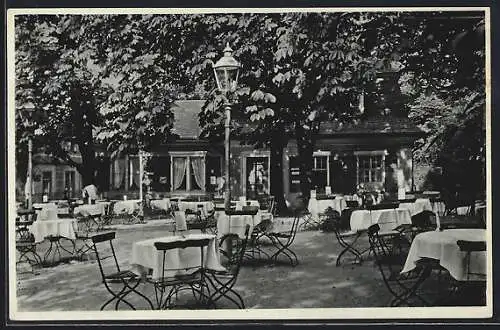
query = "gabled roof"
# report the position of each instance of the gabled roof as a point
(187, 124)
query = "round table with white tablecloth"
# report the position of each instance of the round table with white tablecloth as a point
(419, 205)
(317, 206)
(442, 246)
(127, 207)
(60, 227)
(235, 224)
(147, 259)
(387, 219)
(161, 204)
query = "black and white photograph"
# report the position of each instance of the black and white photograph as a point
(249, 163)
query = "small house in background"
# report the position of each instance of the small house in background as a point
(374, 152)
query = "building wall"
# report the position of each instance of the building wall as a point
(343, 165)
(57, 181)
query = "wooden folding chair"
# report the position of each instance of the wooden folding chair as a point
(192, 278)
(25, 241)
(118, 282)
(390, 261)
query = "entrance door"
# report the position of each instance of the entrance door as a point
(257, 177)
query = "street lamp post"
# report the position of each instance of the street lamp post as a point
(226, 72)
(29, 180)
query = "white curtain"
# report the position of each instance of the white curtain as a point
(179, 171)
(198, 166)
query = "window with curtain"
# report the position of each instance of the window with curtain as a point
(188, 173)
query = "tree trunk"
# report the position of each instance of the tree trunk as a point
(278, 142)
(84, 112)
(305, 146)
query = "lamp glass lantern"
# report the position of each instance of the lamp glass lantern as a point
(227, 71)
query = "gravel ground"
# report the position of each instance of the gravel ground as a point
(315, 283)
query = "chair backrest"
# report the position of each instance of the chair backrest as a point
(188, 243)
(165, 246)
(104, 250)
(407, 200)
(383, 206)
(471, 246)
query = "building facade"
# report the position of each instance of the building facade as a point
(375, 153)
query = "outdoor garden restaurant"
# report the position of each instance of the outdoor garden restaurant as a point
(196, 263)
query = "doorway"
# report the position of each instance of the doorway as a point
(257, 177)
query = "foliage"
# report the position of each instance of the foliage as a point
(56, 87)
(112, 78)
(447, 85)
(298, 70)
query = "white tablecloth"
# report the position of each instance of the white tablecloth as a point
(193, 206)
(421, 204)
(60, 227)
(442, 246)
(161, 204)
(235, 224)
(127, 207)
(90, 209)
(319, 206)
(388, 219)
(145, 257)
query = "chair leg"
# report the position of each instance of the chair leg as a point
(133, 289)
(223, 290)
(283, 248)
(130, 290)
(115, 296)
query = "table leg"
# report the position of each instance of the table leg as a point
(55, 249)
